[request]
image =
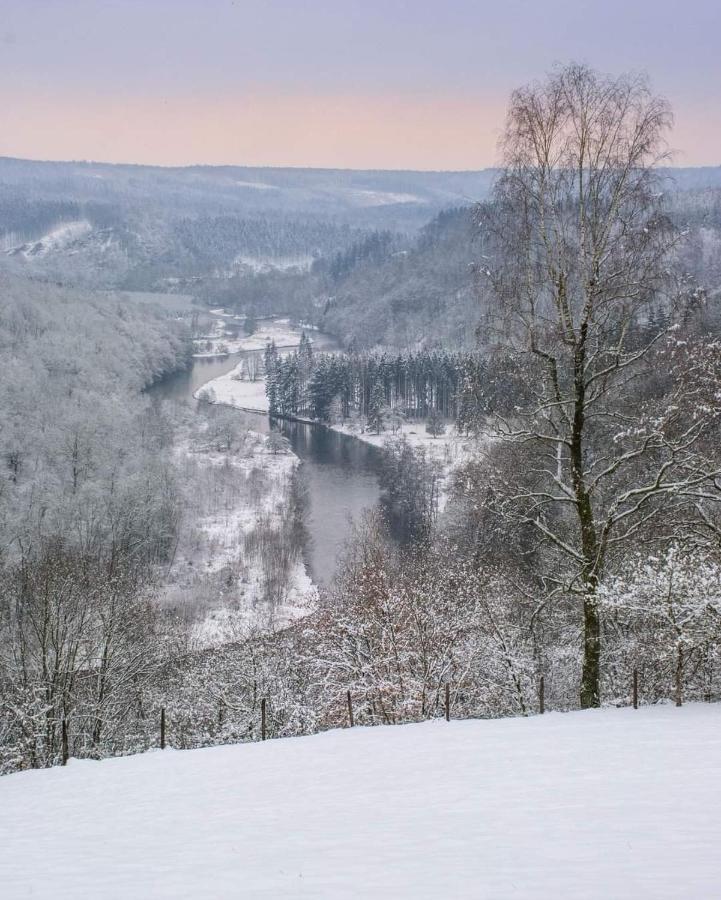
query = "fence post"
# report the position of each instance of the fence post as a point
(162, 728)
(635, 688)
(350, 710)
(65, 749)
(542, 695)
(262, 719)
(448, 702)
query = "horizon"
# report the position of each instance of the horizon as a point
(298, 168)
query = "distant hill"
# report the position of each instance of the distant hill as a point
(147, 228)
(389, 199)
(248, 237)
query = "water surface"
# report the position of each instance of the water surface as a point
(340, 473)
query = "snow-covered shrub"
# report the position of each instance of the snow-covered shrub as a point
(663, 614)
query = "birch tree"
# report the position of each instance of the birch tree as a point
(582, 254)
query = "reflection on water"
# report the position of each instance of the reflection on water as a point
(182, 385)
(340, 473)
(341, 476)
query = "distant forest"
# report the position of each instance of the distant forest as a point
(377, 258)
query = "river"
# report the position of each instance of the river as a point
(340, 472)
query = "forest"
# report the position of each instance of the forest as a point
(385, 390)
(564, 331)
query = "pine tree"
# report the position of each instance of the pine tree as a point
(376, 407)
(270, 359)
(305, 348)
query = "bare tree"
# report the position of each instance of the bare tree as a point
(583, 250)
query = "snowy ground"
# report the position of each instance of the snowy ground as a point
(212, 573)
(258, 264)
(232, 390)
(56, 239)
(219, 537)
(218, 342)
(599, 804)
(380, 198)
(449, 450)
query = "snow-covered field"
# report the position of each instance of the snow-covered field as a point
(231, 390)
(381, 198)
(257, 185)
(219, 536)
(259, 264)
(217, 341)
(599, 804)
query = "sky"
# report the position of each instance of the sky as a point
(335, 83)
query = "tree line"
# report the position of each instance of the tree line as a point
(460, 386)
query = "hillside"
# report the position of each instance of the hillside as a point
(421, 294)
(154, 228)
(393, 198)
(234, 235)
(597, 804)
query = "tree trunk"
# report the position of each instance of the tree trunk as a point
(590, 677)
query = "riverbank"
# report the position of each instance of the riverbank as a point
(220, 341)
(449, 451)
(339, 474)
(238, 566)
(243, 387)
(233, 389)
(341, 463)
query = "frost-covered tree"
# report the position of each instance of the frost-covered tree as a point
(582, 252)
(435, 425)
(665, 619)
(376, 408)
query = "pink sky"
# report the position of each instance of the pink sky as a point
(262, 129)
(394, 84)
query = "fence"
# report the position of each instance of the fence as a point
(447, 709)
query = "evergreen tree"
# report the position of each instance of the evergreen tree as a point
(250, 325)
(270, 359)
(376, 406)
(435, 424)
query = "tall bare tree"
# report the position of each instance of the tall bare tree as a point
(582, 250)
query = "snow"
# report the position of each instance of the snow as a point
(56, 239)
(281, 331)
(381, 198)
(214, 545)
(230, 390)
(258, 264)
(220, 534)
(256, 185)
(596, 804)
